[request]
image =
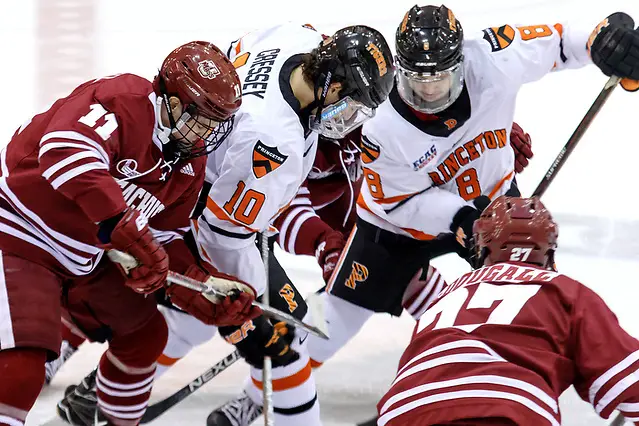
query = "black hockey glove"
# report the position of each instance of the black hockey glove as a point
(261, 338)
(462, 227)
(614, 47)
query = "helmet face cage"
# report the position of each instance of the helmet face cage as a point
(339, 119)
(214, 135)
(430, 92)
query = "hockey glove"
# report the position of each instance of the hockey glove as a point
(462, 227)
(614, 47)
(132, 235)
(328, 252)
(422, 290)
(260, 338)
(234, 309)
(521, 144)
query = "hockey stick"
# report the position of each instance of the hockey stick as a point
(567, 149)
(620, 420)
(267, 368)
(129, 262)
(153, 411)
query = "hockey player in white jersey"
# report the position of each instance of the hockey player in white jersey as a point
(438, 151)
(295, 85)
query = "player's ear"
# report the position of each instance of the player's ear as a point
(334, 89)
(176, 107)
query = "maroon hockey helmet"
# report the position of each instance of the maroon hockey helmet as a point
(515, 229)
(206, 83)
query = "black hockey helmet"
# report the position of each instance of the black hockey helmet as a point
(429, 43)
(360, 59)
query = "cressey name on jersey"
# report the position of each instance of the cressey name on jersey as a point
(141, 199)
(464, 154)
(259, 73)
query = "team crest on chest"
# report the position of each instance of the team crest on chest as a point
(266, 159)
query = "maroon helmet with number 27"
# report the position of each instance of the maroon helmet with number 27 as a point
(205, 82)
(516, 230)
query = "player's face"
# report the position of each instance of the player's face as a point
(195, 129)
(433, 90)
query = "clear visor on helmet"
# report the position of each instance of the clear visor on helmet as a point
(339, 119)
(430, 93)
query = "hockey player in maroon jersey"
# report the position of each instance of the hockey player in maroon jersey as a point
(501, 343)
(117, 164)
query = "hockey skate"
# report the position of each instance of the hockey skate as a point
(79, 407)
(241, 411)
(52, 367)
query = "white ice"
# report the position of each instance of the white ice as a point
(593, 197)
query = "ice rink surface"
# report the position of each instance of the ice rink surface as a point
(593, 198)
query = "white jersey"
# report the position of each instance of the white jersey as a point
(434, 174)
(258, 169)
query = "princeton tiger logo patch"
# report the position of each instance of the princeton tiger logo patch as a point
(499, 38)
(370, 151)
(266, 159)
(358, 274)
(288, 294)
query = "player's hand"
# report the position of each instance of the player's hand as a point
(614, 47)
(132, 235)
(521, 144)
(234, 309)
(462, 227)
(261, 338)
(328, 252)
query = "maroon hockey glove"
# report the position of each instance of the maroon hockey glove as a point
(132, 235)
(328, 252)
(234, 309)
(422, 290)
(521, 143)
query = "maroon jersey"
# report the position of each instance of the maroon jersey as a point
(85, 160)
(326, 199)
(506, 341)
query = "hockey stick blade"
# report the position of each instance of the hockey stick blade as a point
(156, 410)
(129, 262)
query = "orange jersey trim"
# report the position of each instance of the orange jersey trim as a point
(500, 184)
(167, 361)
(221, 214)
(289, 382)
(418, 235)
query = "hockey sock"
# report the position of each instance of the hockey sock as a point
(125, 374)
(21, 379)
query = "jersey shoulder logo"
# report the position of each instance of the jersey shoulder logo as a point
(370, 151)
(499, 38)
(266, 159)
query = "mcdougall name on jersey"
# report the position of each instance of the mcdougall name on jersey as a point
(471, 150)
(259, 73)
